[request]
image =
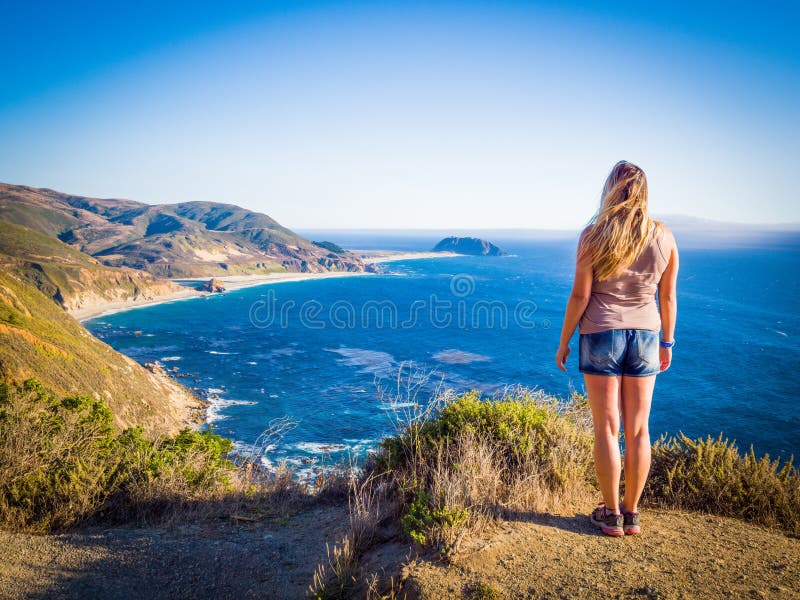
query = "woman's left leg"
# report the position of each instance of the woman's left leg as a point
(604, 391)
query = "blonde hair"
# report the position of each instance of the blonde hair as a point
(620, 230)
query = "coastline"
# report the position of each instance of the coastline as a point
(236, 282)
(233, 282)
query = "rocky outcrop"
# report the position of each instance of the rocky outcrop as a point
(468, 245)
(213, 285)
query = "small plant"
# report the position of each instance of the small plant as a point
(484, 591)
(338, 578)
(420, 518)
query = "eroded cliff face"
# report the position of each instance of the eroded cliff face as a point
(72, 278)
(89, 288)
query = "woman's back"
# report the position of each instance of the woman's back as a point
(628, 300)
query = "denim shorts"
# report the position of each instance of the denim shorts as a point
(630, 352)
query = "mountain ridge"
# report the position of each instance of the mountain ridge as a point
(184, 239)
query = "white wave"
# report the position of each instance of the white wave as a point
(320, 447)
(253, 452)
(171, 358)
(394, 405)
(217, 405)
(359, 441)
(783, 333)
(458, 357)
(218, 352)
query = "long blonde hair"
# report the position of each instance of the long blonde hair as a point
(620, 230)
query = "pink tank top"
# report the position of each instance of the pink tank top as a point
(629, 300)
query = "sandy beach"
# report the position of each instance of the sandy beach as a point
(382, 256)
(235, 282)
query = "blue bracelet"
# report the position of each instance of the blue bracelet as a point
(664, 344)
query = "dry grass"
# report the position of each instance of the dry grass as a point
(710, 475)
(456, 464)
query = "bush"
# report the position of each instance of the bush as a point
(711, 476)
(472, 458)
(62, 461)
(421, 517)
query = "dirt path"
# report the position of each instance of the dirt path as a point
(212, 560)
(679, 555)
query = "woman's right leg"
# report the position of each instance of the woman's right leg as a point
(604, 391)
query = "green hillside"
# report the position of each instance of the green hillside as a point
(38, 339)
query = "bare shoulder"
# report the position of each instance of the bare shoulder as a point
(666, 232)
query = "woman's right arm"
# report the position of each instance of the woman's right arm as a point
(576, 305)
(668, 303)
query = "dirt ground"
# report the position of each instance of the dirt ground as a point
(208, 560)
(679, 555)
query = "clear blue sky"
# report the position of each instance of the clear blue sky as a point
(495, 114)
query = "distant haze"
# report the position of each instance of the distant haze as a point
(690, 232)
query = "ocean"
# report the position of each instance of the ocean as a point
(320, 359)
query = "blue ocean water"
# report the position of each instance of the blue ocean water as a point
(316, 351)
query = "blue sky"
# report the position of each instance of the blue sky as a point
(436, 115)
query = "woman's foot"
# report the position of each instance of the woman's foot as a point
(630, 522)
(608, 522)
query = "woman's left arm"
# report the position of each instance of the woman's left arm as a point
(578, 299)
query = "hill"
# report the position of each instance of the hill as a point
(39, 339)
(189, 239)
(69, 277)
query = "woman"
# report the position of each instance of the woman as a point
(623, 258)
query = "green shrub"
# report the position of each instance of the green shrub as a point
(521, 426)
(711, 476)
(421, 518)
(62, 461)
